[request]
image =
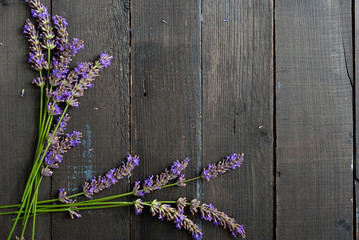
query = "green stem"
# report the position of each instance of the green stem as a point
(32, 205)
(41, 103)
(36, 167)
(37, 155)
(38, 181)
(38, 164)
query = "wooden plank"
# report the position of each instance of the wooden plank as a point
(19, 116)
(165, 98)
(103, 117)
(314, 120)
(356, 213)
(356, 104)
(238, 111)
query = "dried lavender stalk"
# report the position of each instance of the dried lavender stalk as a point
(228, 163)
(150, 184)
(111, 177)
(209, 213)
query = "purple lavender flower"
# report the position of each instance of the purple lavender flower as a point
(74, 213)
(194, 204)
(102, 182)
(150, 184)
(71, 140)
(60, 144)
(36, 56)
(104, 61)
(53, 109)
(209, 213)
(230, 162)
(62, 196)
(136, 189)
(41, 13)
(61, 64)
(169, 213)
(60, 24)
(138, 206)
(46, 171)
(181, 204)
(180, 181)
(40, 82)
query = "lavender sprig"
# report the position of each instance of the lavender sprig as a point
(36, 56)
(165, 211)
(209, 213)
(151, 184)
(102, 182)
(228, 163)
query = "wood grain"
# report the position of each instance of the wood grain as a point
(355, 7)
(165, 100)
(19, 116)
(237, 59)
(314, 120)
(103, 117)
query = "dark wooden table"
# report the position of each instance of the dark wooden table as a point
(199, 79)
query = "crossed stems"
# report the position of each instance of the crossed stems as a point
(29, 200)
(40, 208)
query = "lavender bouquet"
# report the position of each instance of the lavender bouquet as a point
(50, 54)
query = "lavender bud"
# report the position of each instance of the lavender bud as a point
(194, 204)
(136, 190)
(230, 162)
(45, 171)
(180, 181)
(138, 206)
(53, 109)
(104, 61)
(40, 82)
(181, 204)
(63, 198)
(74, 213)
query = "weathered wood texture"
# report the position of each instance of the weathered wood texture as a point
(356, 111)
(314, 122)
(237, 60)
(198, 79)
(103, 117)
(166, 100)
(18, 116)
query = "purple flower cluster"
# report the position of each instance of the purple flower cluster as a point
(70, 84)
(41, 14)
(150, 184)
(40, 82)
(209, 213)
(36, 56)
(228, 163)
(169, 213)
(60, 144)
(66, 51)
(49, 36)
(77, 80)
(64, 199)
(111, 177)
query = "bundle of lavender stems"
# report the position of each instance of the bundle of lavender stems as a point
(50, 54)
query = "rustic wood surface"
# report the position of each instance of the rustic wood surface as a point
(237, 60)
(314, 122)
(274, 79)
(165, 100)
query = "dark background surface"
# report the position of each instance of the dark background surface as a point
(199, 79)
